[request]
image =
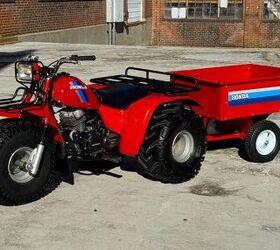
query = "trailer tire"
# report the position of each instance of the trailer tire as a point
(158, 155)
(262, 143)
(17, 138)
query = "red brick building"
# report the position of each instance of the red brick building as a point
(30, 16)
(81, 21)
(228, 23)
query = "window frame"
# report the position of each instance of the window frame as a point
(201, 18)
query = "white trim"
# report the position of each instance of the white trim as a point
(254, 90)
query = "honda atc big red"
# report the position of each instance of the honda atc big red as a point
(164, 124)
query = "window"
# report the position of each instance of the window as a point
(272, 9)
(135, 11)
(203, 9)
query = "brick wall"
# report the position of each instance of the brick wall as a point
(259, 32)
(148, 8)
(251, 31)
(29, 16)
(8, 22)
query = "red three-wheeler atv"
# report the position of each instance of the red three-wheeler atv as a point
(162, 119)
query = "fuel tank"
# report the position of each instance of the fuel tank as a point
(71, 91)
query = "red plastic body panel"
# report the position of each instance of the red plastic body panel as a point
(72, 92)
(131, 123)
(40, 114)
(233, 92)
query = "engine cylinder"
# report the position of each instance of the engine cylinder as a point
(74, 120)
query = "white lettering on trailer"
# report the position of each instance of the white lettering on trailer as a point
(239, 96)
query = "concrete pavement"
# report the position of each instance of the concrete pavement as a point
(231, 204)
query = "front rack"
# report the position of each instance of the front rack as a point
(15, 99)
(176, 85)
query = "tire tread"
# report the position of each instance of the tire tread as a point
(8, 129)
(155, 164)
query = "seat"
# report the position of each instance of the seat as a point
(120, 95)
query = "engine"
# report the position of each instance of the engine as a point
(85, 135)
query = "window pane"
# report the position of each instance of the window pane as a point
(271, 9)
(233, 10)
(134, 10)
(177, 9)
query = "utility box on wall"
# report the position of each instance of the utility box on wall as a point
(114, 11)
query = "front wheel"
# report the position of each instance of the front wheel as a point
(17, 143)
(262, 143)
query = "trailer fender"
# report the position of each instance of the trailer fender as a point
(137, 118)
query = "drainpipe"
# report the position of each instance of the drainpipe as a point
(114, 14)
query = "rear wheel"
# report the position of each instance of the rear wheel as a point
(17, 143)
(262, 143)
(174, 145)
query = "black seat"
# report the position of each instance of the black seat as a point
(120, 95)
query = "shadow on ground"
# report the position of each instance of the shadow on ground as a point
(93, 167)
(130, 164)
(9, 58)
(229, 144)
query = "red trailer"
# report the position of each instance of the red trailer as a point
(233, 98)
(164, 124)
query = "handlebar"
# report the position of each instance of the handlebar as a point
(52, 69)
(54, 66)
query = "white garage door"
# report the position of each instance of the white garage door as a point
(134, 10)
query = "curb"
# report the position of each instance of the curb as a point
(8, 40)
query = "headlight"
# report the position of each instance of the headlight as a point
(24, 72)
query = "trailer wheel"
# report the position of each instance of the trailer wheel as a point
(263, 142)
(174, 145)
(17, 186)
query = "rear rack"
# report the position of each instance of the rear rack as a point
(174, 86)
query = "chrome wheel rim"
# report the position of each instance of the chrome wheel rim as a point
(266, 142)
(182, 146)
(17, 165)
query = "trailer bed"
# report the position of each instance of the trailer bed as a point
(236, 91)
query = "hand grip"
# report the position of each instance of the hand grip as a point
(82, 58)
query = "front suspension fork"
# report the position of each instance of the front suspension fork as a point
(36, 156)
